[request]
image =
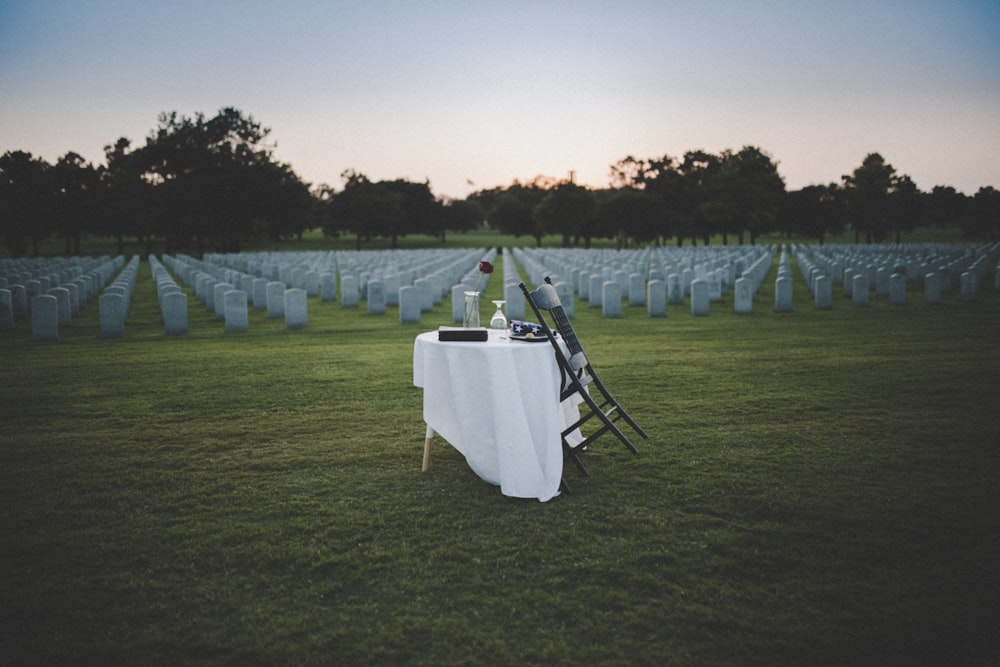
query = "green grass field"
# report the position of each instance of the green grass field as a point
(819, 487)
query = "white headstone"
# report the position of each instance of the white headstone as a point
(175, 314)
(376, 297)
(783, 295)
(882, 275)
(932, 288)
(564, 291)
(515, 306)
(312, 283)
(675, 289)
(260, 293)
(44, 317)
(349, 292)
(743, 299)
(19, 300)
(275, 299)
(112, 307)
(6, 310)
(296, 314)
(392, 285)
(237, 320)
(823, 292)
(636, 290)
(656, 298)
(74, 298)
(897, 289)
(714, 286)
(425, 290)
(219, 299)
(611, 299)
(968, 285)
(596, 290)
(699, 297)
(62, 304)
(409, 305)
(859, 289)
(328, 286)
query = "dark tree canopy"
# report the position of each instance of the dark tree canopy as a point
(204, 183)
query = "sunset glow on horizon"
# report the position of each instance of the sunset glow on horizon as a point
(486, 93)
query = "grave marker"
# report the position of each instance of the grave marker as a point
(783, 295)
(636, 290)
(376, 297)
(611, 299)
(409, 305)
(175, 314)
(859, 289)
(296, 313)
(743, 301)
(237, 320)
(6, 310)
(275, 299)
(62, 304)
(823, 295)
(932, 288)
(699, 297)
(328, 286)
(656, 298)
(112, 313)
(897, 289)
(349, 292)
(44, 317)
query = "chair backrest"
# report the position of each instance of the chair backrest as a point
(545, 297)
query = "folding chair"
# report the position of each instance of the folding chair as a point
(577, 376)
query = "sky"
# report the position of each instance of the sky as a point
(472, 95)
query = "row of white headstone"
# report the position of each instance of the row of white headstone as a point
(415, 281)
(886, 270)
(53, 291)
(651, 277)
(705, 275)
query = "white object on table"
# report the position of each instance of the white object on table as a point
(498, 404)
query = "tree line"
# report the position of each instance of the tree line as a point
(202, 184)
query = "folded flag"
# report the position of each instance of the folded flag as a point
(519, 328)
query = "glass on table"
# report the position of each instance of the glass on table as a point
(498, 323)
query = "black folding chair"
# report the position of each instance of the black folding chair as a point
(577, 376)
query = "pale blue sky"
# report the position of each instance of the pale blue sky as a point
(490, 92)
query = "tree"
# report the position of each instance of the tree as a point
(867, 190)
(742, 194)
(814, 211)
(946, 207)
(697, 170)
(461, 215)
(629, 213)
(984, 221)
(512, 211)
(26, 201)
(904, 206)
(216, 182)
(663, 180)
(365, 208)
(126, 200)
(77, 191)
(568, 210)
(421, 212)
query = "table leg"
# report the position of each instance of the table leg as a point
(427, 448)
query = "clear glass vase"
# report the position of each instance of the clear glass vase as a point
(471, 317)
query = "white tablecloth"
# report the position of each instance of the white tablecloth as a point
(498, 404)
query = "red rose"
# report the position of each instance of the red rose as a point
(485, 267)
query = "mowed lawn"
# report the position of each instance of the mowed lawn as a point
(819, 487)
